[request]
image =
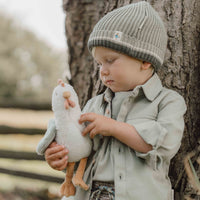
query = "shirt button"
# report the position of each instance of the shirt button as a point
(120, 176)
(107, 111)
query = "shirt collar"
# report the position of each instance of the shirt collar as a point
(108, 95)
(151, 89)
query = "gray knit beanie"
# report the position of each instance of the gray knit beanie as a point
(135, 30)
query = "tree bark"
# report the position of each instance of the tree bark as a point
(80, 18)
(180, 71)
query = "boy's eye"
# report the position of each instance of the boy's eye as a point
(110, 61)
(106, 60)
(98, 64)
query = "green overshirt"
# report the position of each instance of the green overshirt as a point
(157, 114)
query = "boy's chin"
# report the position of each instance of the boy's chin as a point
(115, 90)
(119, 90)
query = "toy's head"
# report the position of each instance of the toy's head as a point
(64, 97)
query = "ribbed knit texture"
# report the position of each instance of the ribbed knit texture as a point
(135, 29)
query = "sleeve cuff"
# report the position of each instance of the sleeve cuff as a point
(151, 132)
(153, 135)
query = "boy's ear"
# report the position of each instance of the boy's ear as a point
(146, 65)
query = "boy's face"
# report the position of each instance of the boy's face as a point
(118, 72)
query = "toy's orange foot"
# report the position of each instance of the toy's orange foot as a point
(79, 182)
(67, 189)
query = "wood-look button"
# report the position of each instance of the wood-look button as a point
(107, 111)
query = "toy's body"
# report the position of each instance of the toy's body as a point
(68, 133)
(67, 113)
(67, 126)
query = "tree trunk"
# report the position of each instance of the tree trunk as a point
(179, 72)
(80, 18)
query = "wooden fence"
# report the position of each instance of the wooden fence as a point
(22, 155)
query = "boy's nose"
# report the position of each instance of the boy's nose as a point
(104, 71)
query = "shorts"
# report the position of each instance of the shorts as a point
(102, 191)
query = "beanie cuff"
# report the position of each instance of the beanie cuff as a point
(135, 30)
(133, 47)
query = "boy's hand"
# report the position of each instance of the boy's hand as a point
(56, 156)
(99, 124)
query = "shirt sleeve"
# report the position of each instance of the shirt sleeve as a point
(164, 133)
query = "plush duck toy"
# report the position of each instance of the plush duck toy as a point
(67, 112)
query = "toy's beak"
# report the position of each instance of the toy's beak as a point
(68, 102)
(66, 95)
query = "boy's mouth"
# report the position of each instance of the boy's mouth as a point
(109, 82)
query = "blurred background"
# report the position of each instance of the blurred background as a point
(32, 57)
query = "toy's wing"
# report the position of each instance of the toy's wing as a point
(47, 139)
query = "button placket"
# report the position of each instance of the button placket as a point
(121, 176)
(108, 110)
(123, 111)
(120, 150)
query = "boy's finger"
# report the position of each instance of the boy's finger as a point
(53, 144)
(88, 128)
(54, 149)
(58, 155)
(93, 133)
(87, 117)
(59, 164)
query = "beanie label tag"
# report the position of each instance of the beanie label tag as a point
(117, 35)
